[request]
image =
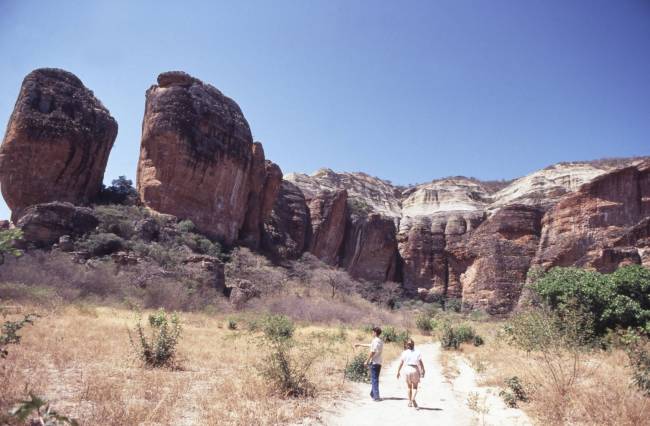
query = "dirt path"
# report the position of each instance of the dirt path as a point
(441, 401)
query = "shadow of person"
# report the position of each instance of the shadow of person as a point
(393, 398)
(429, 409)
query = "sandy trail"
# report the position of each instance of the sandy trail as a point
(440, 401)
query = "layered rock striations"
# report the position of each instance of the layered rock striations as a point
(57, 142)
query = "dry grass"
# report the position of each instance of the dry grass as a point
(601, 393)
(80, 359)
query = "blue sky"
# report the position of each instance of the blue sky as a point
(407, 91)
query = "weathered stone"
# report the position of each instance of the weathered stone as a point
(286, 229)
(44, 224)
(499, 254)
(196, 155)
(264, 184)
(370, 248)
(66, 243)
(57, 142)
(583, 228)
(242, 292)
(328, 216)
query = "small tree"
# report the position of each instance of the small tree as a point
(10, 336)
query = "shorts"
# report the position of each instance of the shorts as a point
(412, 375)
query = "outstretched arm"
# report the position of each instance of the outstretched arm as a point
(361, 345)
(401, 363)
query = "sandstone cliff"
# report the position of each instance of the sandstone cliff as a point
(57, 142)
(198, 160)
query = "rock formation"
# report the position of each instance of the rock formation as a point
(197, 156)
(57, 142)
(602, 225)
(44, 224)
(287, 228)
(327, 215)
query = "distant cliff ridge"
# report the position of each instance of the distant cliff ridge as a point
(453, 237)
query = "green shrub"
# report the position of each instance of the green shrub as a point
(186, 226)
(390, 335)
(121, 191)
(285, 366)
(478, 340)
(423, 322)
(10, 336)
(158, 348)
(232, 324)
(465, 333)
(7, 239)
(448, 338)
(278, 328)
(38, 412)
(619, 299)
(638, 352)
(452, 304)
(356, 369)
(514, 392)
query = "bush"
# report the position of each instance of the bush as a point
(38, 412)
(514, 392)
(451, 337)
(10, 336)
(454, 305)
(423, 322)
(390, 335)
(158, 349)
(7, 239)
(286, 371)
(619, 299)
(101, 244)
(356, 369)
(232, 324)
(638, 352)
(277, 328)
(121, 191)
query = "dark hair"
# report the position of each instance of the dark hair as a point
(409, 344)
(376, 330)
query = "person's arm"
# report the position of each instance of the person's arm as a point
(361, 345)
(370, 355)
(400, 367)
(421, 368)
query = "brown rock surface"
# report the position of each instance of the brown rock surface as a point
(370, 248)
(44, 224)
(196, 155)
(264, 184)
(498, 255)
(286, 229)
(57, 142)
(327, 211)
(602, 225)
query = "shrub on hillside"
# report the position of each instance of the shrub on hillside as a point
(453, 304)
(7, 239)
(100, 244)
(121, 191)
(619, 299)
(391, 335)
(451, 337)
(158, 347)
(9, 333)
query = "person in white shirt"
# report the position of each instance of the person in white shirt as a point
(374, 362)
(413, 371)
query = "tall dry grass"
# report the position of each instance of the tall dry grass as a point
(79, 358)
(593, 389)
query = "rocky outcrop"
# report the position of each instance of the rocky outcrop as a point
(264, 185)
(57, 142)
(370, 248)
(497, 257)
(209, 268)
(287, 228)
(196, 156)
(327, 211)
(602, 225)
(44, 224)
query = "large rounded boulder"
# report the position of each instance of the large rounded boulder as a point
(57, 142)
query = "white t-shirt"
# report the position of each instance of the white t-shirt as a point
(376, 346)
(411, 357)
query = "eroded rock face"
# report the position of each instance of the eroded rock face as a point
(57, 142)
(602, 225)
(370, 248)
(286, 229)
(327, 211)
(264, 185)
(44, 224)
(497, 257)
(196, 156)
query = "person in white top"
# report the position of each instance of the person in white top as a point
(374, 362)
(413, 371)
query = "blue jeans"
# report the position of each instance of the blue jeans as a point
(374, 380)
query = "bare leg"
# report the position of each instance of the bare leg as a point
(410, 392)
(415, 393)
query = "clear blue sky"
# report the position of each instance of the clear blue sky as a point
(408, 91)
